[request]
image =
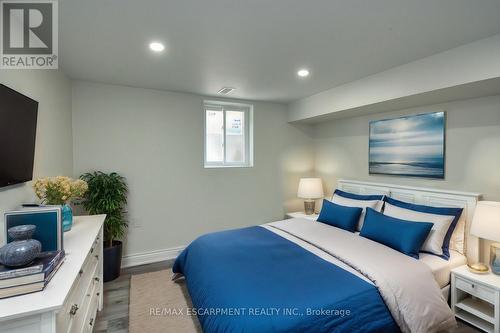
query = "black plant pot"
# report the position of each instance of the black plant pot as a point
(112, 261)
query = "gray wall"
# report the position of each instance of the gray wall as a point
(54, 150)
(155, 139)
(472, 148)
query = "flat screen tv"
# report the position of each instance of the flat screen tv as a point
(18, 115)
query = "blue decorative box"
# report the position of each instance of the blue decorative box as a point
(48, 224)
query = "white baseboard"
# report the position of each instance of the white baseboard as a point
(143, 258)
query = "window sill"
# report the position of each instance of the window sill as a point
(226, 166)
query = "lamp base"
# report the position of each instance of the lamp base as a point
(478, 268)
(309, 206)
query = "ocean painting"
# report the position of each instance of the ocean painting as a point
(408, 146)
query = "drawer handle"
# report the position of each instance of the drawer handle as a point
(92, 250)
(91, 321)
(473, 286)
(97, 279)
(97, 256)
(80, 272)
(73, 309)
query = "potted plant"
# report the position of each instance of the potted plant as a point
(107, 194)
(60, 191)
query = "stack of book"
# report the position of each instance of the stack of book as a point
(32, 278)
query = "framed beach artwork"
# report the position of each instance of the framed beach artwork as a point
(408, 146)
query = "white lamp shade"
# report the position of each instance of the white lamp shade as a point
(310, 188)
(486, 221)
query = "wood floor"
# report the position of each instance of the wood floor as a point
(114, 316)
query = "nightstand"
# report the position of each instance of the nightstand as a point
(475, 298)
(302, 215)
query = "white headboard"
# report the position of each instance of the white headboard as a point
(425, 196)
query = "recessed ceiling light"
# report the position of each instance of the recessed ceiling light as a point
(156, 46)
(303, 73)
(226, 90)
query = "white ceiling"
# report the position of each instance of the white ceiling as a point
(257, 46)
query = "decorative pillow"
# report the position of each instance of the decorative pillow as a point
(362, 201)
(339, 216)
(438, 212)
(434, 242)
(404, 236)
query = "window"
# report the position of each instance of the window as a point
(228, 135)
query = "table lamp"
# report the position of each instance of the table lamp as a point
(310, 189)
(486, 224)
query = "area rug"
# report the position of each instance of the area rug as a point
(158, 304)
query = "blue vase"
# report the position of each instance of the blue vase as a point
(67, 217)
(495, 258)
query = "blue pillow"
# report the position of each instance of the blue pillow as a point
(404, 236)
(339, 216)
(358, 196)
(447, 211)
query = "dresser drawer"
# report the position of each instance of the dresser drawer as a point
(89, 323)
(71, 318)
(475, 289)
(81, 321)
(93, 254)
(83, 285)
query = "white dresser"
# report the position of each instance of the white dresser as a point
(69, 303)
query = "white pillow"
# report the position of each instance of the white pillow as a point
(435, 239)
(374, 204)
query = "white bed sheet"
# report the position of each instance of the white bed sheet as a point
(441, 269)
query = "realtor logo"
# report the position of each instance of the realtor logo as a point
(28, 34)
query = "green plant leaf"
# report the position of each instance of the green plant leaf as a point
(107, 194)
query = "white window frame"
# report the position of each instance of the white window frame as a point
(248, 133)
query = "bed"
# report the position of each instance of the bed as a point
(298, 276)
(441, 269)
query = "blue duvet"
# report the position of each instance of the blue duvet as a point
(252, 280)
